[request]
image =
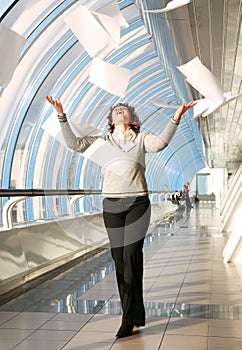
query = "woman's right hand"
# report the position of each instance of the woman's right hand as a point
(56, 104)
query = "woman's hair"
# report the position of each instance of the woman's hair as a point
(134, 119)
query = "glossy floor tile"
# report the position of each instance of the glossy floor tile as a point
(192, 299)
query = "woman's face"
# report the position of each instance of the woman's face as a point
(121, 115)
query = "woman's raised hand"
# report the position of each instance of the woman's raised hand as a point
(183, 108)
(56, 104)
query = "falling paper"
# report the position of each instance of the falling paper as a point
(109, 157)
(88, 31)
(11, 46)
(172, 5)
(113, 11)
(163, 104)
(205, 106)
(110, 25)
(202, 79)
(227, 98)
(100, 152)
(207, 85)
(97, 30)
(52, 127)
(109, 77)
(201, 106)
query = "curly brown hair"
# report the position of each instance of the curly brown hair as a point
(135, 123)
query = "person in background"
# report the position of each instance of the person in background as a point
(186, 197)
(126, 204)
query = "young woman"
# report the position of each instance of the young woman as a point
(126, 205)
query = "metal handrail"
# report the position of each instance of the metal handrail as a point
(50, 192)
(17, 195)
(44, 192)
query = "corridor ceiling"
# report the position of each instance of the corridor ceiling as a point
(53, 62)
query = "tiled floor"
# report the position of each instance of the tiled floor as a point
(193, 300)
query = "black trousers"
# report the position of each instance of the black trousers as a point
(127, 221)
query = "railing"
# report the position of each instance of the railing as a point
(30, 250)
(42, 192)
(16, 196)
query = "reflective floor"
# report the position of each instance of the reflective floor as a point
(193, 300)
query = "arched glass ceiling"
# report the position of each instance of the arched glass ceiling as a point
(54, 62)
(4, 5)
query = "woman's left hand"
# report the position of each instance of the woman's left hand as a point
(182, 109)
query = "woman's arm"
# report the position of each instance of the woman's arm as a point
(73, 142)
(155, 143)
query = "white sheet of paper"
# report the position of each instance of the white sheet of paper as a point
(84, 129)
(93, 37)
(100, 152)
(163, 104)
(205, 106)
(213, 107)
(113, 11)
(108, 156)
(207, 86)
(201, 106)
(202, 79)
(111, 25)
(52, 127)
(11, 46)
(109, 77)
(172, 5)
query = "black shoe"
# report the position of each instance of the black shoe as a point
(125, 330)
